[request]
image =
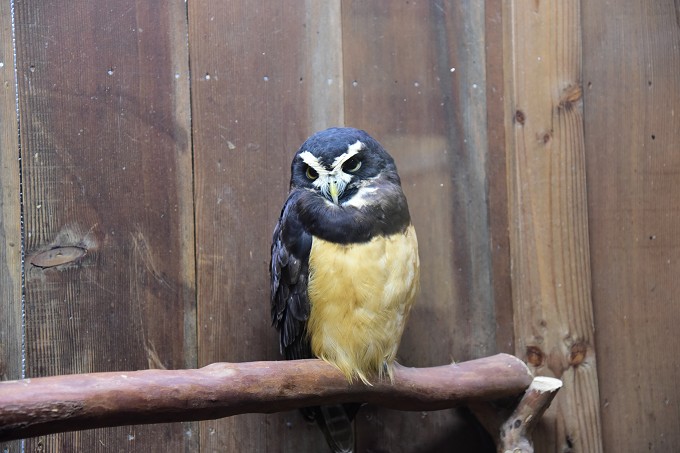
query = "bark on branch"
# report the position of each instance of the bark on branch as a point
(33, 407)
(515, 432)
(512, 422)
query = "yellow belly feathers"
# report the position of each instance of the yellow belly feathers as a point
(360, 297)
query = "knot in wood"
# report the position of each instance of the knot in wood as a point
(535, 356)
(578, 352)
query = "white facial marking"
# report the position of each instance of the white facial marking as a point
(361, 198)
(356, 146)
(352, 150)
(313, 162)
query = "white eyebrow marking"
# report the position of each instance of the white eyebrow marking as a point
(313, 162)
(356, 147)
(352, 150)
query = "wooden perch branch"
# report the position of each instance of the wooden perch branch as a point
(33, 407)
(516, 430)
(512, 424)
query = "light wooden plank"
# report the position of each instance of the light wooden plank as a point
(265, 76)
(548, 215)
(10, 213)
(104, 100)
(632, 113)
(323, 68)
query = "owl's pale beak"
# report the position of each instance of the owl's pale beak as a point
(333, 190)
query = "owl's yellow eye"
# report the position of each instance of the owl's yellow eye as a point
(311, 173)
(351, 165)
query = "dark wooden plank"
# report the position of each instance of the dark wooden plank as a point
(103, 91)
(497, 176)
(265, 76)
(415, 78)
(10, 213)
(632, 115)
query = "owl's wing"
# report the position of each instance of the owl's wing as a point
(291, 245)
(290, 307)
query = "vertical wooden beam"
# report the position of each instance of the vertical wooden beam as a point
(265, 75)
(632, 112)
(106, 160)
(496, 177)
(548, 214)
(323, 69)
(10, 213)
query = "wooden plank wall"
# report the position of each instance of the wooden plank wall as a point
(253, 107)
(156, 147)
(108, 217)
(632, 117)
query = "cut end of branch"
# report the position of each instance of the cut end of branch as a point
(517, 429)
(545, 384)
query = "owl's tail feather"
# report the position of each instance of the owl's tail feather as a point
(336, 424)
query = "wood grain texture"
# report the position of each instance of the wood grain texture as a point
(103, 96)
(10, 213)
(415, 79)
(548, 215)
(265, 76)
(632, 113)
(497, 176)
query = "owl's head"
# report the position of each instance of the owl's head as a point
(342, 164)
